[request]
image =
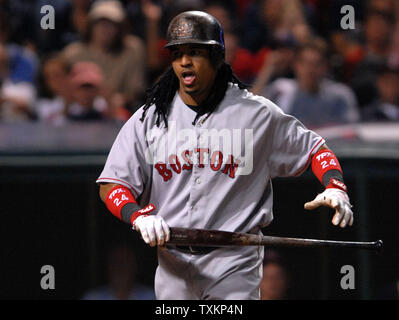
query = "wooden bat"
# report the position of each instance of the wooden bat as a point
(216, 238)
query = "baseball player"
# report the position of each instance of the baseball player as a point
(201, 153)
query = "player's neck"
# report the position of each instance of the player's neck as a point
(192, 99)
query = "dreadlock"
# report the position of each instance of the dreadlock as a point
(163, 91)
(161, 94)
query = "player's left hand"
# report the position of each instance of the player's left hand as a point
(338, 200)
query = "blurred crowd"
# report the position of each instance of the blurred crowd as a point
(102, 55)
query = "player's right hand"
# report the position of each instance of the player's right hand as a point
(154, 230)
(338, 200)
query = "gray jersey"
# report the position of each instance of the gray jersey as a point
(217, 173)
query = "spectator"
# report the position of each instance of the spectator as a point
(135, 17)
(56, 96)
(345, 42)
(387, 6)
(386, 106)
(17, 96)
(87, 80)
(78, 20)
(18, 71)
(378, 31)
(393, 55)
(276, 63)
(274, 285)
(76, 95)
(311, 97)
(23, 64)
(157, 56)
(121, 272)
(120, 56)
(239, 58)
(271, 20)
(221, 13)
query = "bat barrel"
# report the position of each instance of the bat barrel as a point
(315, 243)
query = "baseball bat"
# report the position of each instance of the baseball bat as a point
(216, 238)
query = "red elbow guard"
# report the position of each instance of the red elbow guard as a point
(325, 160)
(116, 198)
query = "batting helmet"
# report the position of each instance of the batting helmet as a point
(195, 27)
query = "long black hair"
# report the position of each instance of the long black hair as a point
(163, 91)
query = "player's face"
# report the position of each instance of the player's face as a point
(195, 72)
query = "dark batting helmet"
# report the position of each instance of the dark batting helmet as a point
(195, 27)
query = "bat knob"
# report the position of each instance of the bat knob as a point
(379, 245)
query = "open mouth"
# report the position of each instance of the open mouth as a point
(188, 77)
